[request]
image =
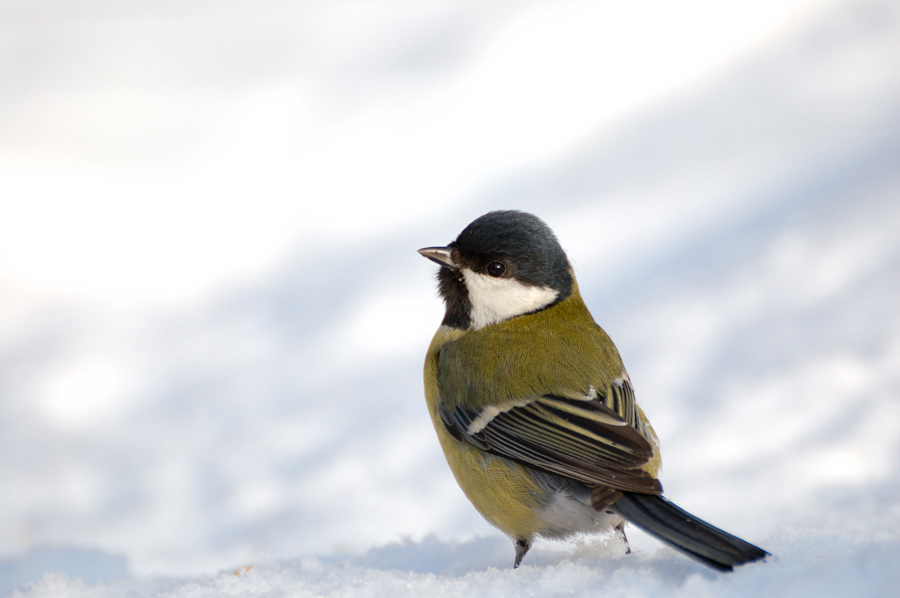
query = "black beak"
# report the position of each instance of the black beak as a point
(441, 256)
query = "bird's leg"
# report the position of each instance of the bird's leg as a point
(620, 529)
(522, 546)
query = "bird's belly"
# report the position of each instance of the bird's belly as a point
(565, 513)
(523, 503)
(502, 491)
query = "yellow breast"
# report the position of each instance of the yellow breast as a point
(502, 491)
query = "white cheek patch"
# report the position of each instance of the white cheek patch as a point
(496, 299)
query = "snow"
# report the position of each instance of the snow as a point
(213, 316)
(479, 568)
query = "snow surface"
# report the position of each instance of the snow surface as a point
(213, 317)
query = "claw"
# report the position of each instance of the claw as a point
(620, 529)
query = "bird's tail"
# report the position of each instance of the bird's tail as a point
(692, 536)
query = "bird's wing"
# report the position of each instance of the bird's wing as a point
(594, 439)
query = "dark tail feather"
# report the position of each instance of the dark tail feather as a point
(694, 537)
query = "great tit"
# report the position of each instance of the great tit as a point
(533, 407)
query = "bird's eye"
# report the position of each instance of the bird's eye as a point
(496, 269)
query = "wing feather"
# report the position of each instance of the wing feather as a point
(599, 441)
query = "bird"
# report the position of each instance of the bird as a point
(533, 407)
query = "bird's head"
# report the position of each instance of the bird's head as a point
(503, 265)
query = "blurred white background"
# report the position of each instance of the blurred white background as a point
(213, 317)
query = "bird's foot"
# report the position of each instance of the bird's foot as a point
(620, 530)
(522, 545)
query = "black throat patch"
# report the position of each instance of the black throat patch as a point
(453, 291)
